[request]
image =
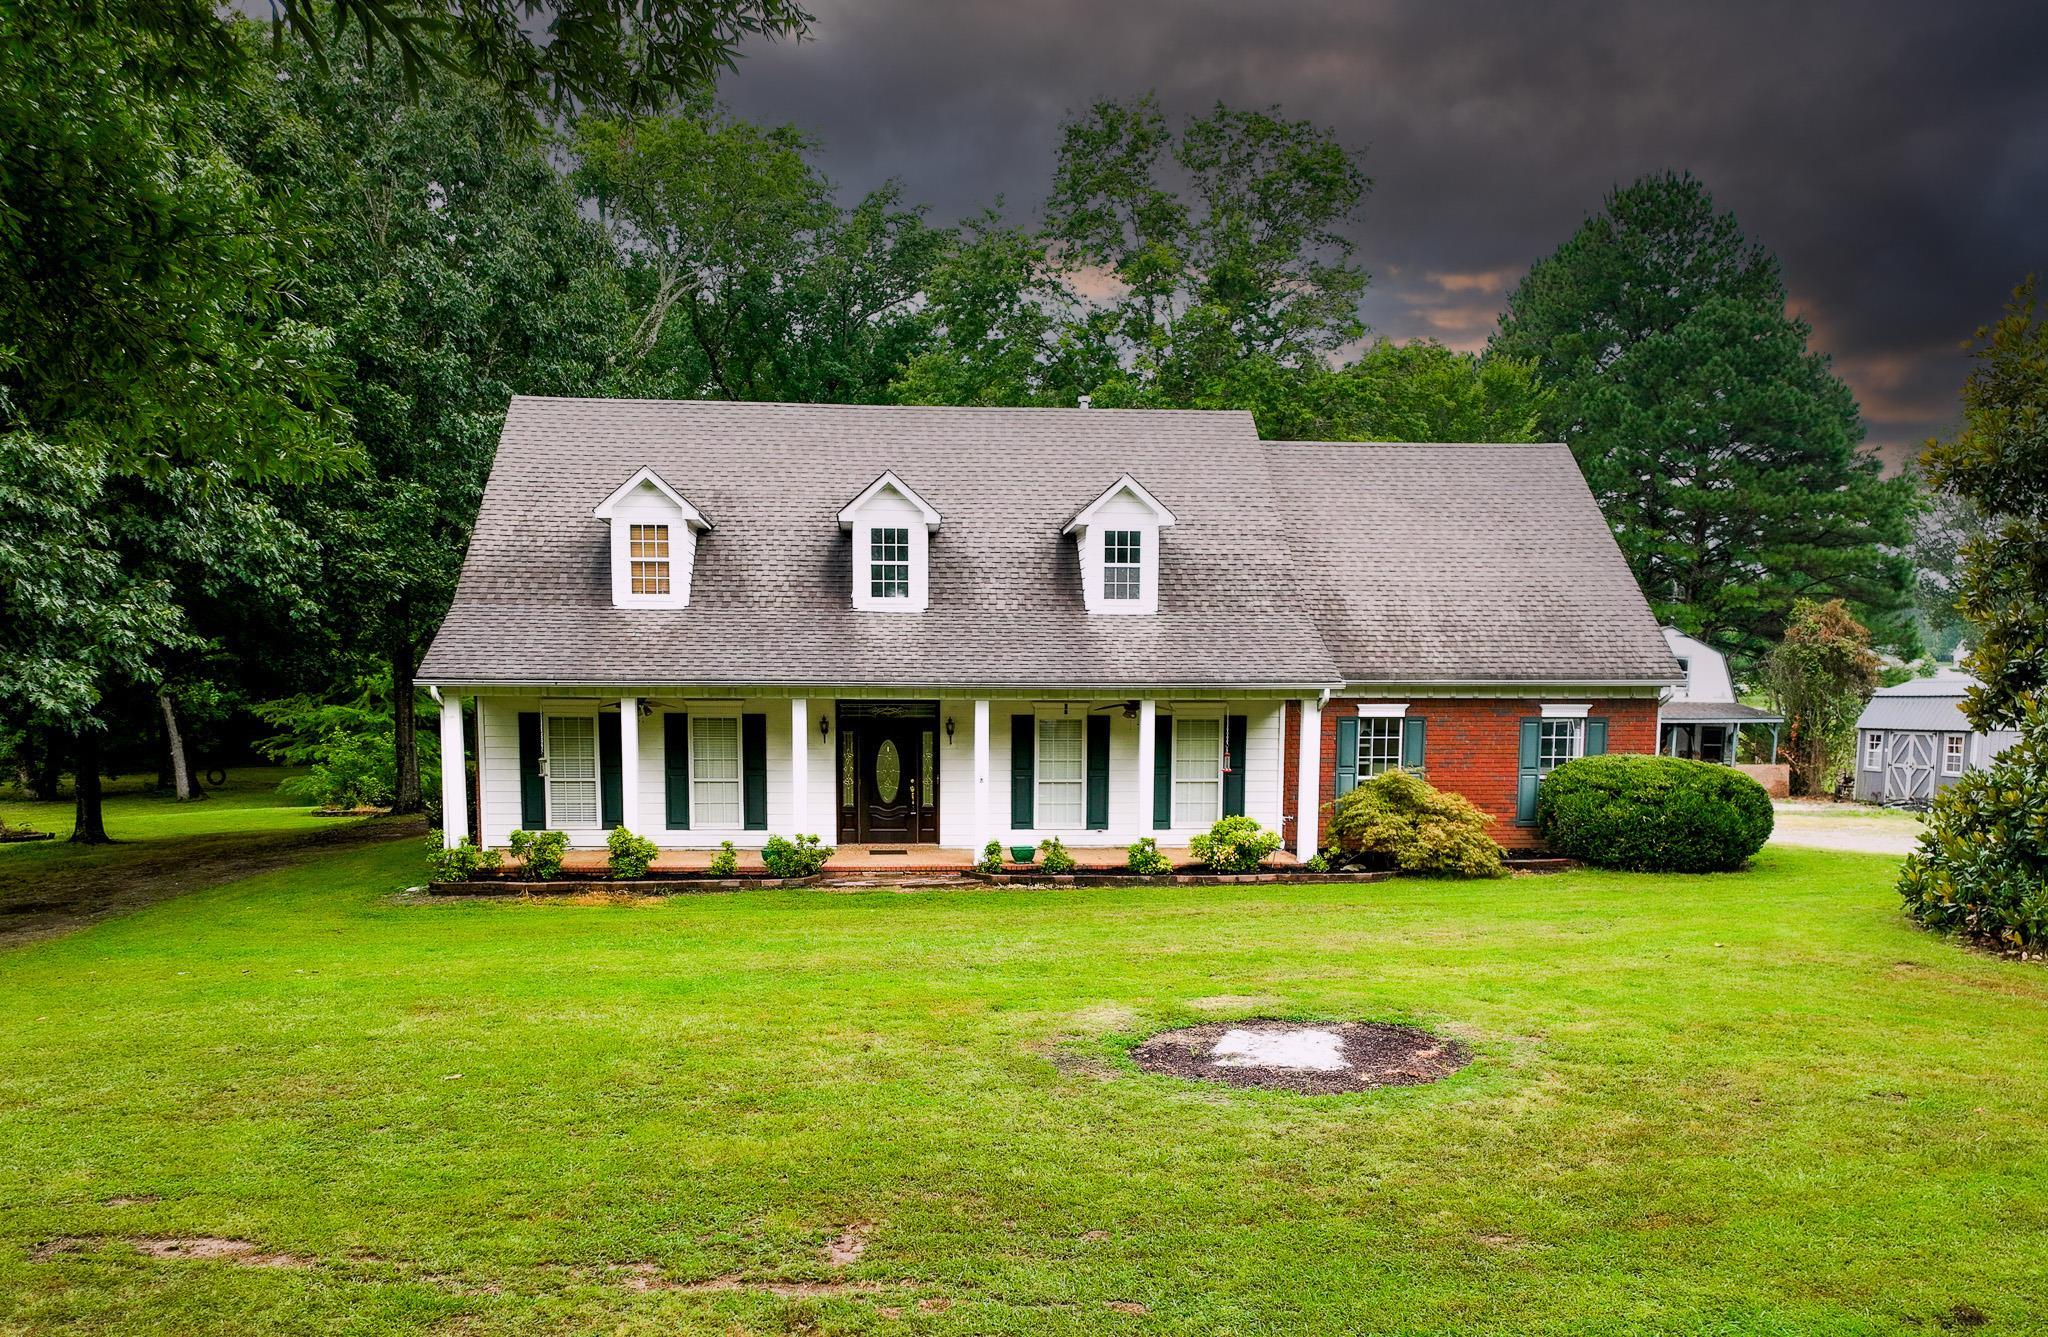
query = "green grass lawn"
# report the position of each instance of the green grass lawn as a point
(248, 802)
(1756, 1103)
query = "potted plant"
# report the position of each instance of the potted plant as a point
(1022, 853)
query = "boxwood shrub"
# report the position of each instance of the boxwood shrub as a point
(1653, 814)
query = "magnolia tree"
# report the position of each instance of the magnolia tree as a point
(1822, 673)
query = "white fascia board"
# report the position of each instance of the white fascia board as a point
(1162, 516)
(1566, 712)
(902, 489)
(695, 518)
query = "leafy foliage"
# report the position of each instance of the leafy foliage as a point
(629, 854)
(460, 863)
(991, 857)
(1234, 845)
(1399, 819)
(726, 861)
(1053, 856)
(1423, 391)
(1653, 814)
(539, 853)
(1143, 857)
(801, 856)
(1823, 674)
(1982, 865)
(345, 743)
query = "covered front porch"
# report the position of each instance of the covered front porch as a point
(1712, 731)
(857, 861)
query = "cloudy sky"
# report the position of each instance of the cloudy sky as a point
(1894, 155)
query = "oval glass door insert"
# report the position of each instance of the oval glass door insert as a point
(888, 771)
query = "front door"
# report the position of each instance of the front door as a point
(888, 776)
(1908, 768)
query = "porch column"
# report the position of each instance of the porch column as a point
(454, 774)
(1308, 797)
(629, 763)
(800, 766)
(1148, 740)
(983, 832)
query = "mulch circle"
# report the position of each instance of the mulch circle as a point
(1379, 1054)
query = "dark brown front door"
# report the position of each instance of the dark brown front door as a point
(888, 779)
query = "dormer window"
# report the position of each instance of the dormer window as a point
(1118, 538)
(891, 527)
(649, 553)
(1123, 571)
(654, 534)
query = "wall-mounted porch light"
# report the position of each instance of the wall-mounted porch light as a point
(949, 728)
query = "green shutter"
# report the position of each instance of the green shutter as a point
(754, 772)
(1526, 777)
(1412, 733)
(1233, 765)
(1596, 738)
(1098, 772)
(533, 791)
(1023, 738)
(1162, 773)
(675, 769)
(1347, 755)
(611, 798)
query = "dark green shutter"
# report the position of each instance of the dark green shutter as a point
(533, 791)
(1098, 772)
(1023, 737)
(1526, 777)
(1162, 773)
(1596, 738)
(1347, 755)
(1411, 743)
(1234, 731)
(610, 773)
(675, 769)
(754, 772)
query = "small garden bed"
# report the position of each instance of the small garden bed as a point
(613, 886)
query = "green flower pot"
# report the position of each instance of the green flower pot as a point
(1022, 853)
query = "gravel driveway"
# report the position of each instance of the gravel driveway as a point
(1842, 826)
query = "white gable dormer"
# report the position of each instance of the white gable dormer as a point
(1118, 534)
(653, 543)
(892, 528)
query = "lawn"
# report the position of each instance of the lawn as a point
(1757, 1103)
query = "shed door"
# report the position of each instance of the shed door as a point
(1908, 767)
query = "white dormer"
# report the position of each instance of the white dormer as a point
(1118, 534)
(654, 542)
(892, 528)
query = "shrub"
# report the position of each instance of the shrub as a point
(1143, 857)
(991, 857)
(1054, 857)
(1982, 865)
(726, 862)
(539, 853)
(346, 746)
(630, 853)
(1653, 814)
(460, 864)
(1398, 819)
(1318, 862)
(1234, 845)
(801, 857)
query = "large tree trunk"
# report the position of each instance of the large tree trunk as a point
(91, 825)
(405, 737)
(182, 782)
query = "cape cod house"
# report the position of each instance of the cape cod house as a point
(941, 626)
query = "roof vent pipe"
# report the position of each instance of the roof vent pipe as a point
(1087, 401)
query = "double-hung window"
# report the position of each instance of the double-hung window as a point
(1062, 775)
(1123, 573)
(1952, 754)
(715, 771)
(1873, 751)
(647, 549)
(1197, 771)
(889, 563)
(1559, 742)
(572, 770)
(1379, 746)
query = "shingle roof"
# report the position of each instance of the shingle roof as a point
(1455, 563)
(1715, 712)
(1402, 562)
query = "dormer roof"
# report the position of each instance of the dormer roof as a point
(695, 518)
(1128, 484)
(889, 482)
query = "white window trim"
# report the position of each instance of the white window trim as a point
(685, 523)
(1873, 750)
(1566, 712)
(1382, 710)
(1960, 755)
(696, 717)
(1038, 770)
(853, 519)
(1578, 737)
(547, 779)
(1173, 766)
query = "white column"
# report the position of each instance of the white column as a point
(983, 831)
(629, 764)
(1148, 739)
(454, 774)
(1308, 799)
(799, 766)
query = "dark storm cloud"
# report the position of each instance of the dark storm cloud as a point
(1894, 155)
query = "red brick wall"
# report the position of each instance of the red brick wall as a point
(1473, 747)
(1290, 775)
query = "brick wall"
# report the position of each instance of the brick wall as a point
(1473, 747)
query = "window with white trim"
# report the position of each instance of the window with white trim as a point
(1197, 771)
(889, 563)
(572, 771)
(715, 771)
(647, 548)
(1873, 751)
(1379, 746)
(1952, 754)
(1062, 775)
(1123, 565)
(1559, 742)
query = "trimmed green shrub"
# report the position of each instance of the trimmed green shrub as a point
(460, 864)
(1653, 814)
(539, 853)
(991, 857)
(1234, 845)
(1982, 865)
(1400, 820)
(1318, 862)
(726, 862)
(800, 857)
(1143, 857)
(1053, 856)
(630, 854)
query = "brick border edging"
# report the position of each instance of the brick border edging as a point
(1166, 879)
(644, 886)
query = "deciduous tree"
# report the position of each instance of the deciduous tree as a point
(1823, 674)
